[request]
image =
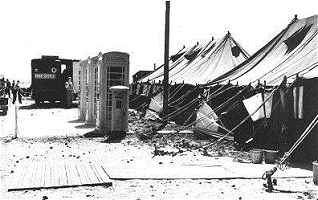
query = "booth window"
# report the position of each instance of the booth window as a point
(118, 104)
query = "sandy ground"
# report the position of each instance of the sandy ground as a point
(55, 134)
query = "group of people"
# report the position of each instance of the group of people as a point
(13, 88)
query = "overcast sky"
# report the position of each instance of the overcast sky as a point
(76, 29)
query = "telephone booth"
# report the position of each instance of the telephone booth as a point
(76, 76)
(95, 68)
(90, 93)
(114, 71)
(97, 86)
(82, 90)
(120, 104)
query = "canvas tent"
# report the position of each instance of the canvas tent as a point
(293, 51)
(192, 66)
(280, 118)
(202, 62)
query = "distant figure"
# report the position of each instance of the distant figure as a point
(2, 87)
(69, 92)
(16, 90)
(8, 88)
(2, 82)
(12, 85)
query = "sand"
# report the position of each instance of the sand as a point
(55, 134)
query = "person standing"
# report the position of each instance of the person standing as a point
(8, 88)
(69, 92)
(2, 87)
(17, 91)
(12, 85)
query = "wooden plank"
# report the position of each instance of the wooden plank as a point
(50, 175)
(67, 178)
(30, 176)
(70, 175)
(58, 173)
(85, 173)
(47, 178)
(43, 174)
(73, 173)
(102, 173)
(18, 176)
(81, 179)
(100, 180)
(52, 178)
(39, 175)
(82, 173)
(34, 175)
(90, 173)
(27, 177)
(23, 173)
(104, 170)
(63, 179)
(37, 180)
(46, 174)
(55, 176)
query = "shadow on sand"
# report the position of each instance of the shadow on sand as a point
(94, 134)
(83, 126)
(47, 106)
(306, 166)
(76, 121)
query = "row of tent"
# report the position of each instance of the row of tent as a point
(263, 101)
(202, 62)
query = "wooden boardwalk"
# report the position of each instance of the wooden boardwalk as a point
(40, 175)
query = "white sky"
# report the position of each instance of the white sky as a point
(76, 29)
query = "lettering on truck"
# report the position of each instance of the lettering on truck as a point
(44, 76)
(115, 59)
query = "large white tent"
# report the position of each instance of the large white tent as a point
(292, 52)
(202, 62)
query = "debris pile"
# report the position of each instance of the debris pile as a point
(169, 139)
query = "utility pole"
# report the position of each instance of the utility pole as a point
(166, 64)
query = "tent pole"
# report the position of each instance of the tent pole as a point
(166, 61)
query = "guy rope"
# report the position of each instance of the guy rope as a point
(268, 174)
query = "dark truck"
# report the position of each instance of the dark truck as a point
(49, 75)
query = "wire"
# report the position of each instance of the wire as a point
(299, 140)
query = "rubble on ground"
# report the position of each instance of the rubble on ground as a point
(170, 139)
